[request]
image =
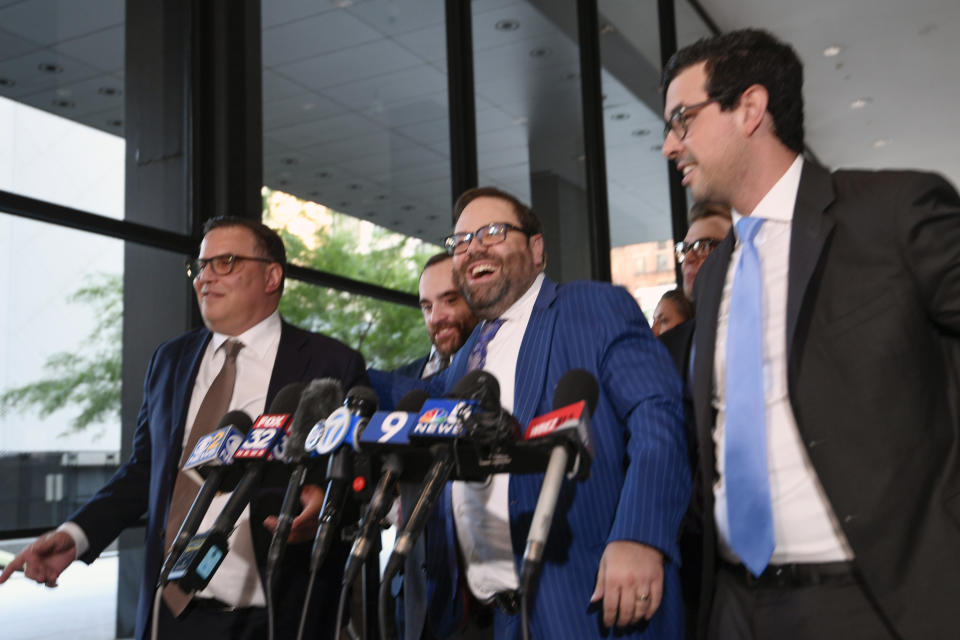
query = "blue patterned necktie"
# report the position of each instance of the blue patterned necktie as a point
(745, 466)
(478, 355)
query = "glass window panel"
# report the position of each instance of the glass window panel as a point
(60, 345)
(529, 112)
(61, 103)
(355, 116)
(641, 236)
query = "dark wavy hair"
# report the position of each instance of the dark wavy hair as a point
(740, 59)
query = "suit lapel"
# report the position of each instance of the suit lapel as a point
(810, 230)
(186, 375)
(292, 360)
(709, 289)
(532, 361)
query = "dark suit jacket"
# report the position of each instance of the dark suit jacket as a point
(413, 369)
(144, 484)
(639, 483)
(873, 315)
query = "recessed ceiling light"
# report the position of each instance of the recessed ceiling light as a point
(345, 203)
(432, 216)
(408, 207)
(282, 182)
(63, 103)
(314, 193)
(581, 158)
(656, 147)
(353, 187)
(288, 161)
(108, 91)
(322, 174)
(640, 133)
(881, 143)
(539, 52)
(860, 103)
(115, 123)
(607, 28)
(380, 197)
(507, 25)
(7, 82)
(50, 67)
(832, 51)
(370, 214)
(622, 115)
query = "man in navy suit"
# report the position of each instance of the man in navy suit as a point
(238, 279)
(611, 558)
(848, 435)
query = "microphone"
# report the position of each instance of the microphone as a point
(205, 551)
(390, 430)
(211, 457)
(341, 428)
(320, 398)
(568, 427)
(470, 417)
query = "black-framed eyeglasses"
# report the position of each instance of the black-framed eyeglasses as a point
(487, 235)
(679, 120)
(701, 248)
(222, 265)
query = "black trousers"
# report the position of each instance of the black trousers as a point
(835, 610)
(210, 623)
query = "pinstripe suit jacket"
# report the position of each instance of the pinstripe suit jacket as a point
(639, 483)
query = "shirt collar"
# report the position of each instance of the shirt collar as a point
(779, 202)
(257, 338)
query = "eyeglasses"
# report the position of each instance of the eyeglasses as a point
(701, 248)
(679, 120)
(487, 235)
(222, 265)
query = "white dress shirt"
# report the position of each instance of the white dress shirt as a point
(237, 581)
(804, 525)
(481, 510)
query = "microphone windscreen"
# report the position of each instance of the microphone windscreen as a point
(413, 401)
(287, 399)
(576, 385)
(481, 386)
(362, 400)
(239, 420)
(319, 399)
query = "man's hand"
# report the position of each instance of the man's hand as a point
(45, 559)
(629, 581)
(304, 526)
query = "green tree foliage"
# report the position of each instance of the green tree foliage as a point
(88, 380)
(388, 335)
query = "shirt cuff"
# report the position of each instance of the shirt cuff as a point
(73, 530)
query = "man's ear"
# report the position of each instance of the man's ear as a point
(274, 278)
(536, 247)
(753, 107)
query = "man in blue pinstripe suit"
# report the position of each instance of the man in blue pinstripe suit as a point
(611, 558)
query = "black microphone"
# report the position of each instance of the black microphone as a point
(340, 434)
(568, 428)
(205, 551)
(320, 398)
(212, 455)
(386, 432)
(477, 416)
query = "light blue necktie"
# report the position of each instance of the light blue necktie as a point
(749, 511)
(478, 355)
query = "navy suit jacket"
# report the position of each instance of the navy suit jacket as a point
(873, 317)
(639, 483)
(144, 484)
